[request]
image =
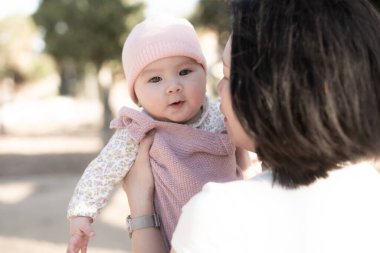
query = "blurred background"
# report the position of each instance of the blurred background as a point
(61, 82)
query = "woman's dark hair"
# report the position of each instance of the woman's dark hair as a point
(305, 83)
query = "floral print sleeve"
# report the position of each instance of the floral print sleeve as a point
(102, 174)
(212, 120)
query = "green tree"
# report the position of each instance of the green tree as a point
(19, 60)
(215, 15)
(82, 32)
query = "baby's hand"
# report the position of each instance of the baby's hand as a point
(80, 231)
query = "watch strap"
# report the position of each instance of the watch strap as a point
(141, 222)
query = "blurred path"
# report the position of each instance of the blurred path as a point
(37, 178)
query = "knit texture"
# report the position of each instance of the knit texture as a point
(156, 38)
(183, 159)
(94, 189)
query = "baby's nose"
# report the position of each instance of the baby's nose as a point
(174, 87)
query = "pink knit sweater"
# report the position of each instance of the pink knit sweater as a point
(183, 159)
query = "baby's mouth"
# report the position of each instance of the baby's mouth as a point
(177, 103)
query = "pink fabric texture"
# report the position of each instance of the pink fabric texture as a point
(156, 38)
(183, 159)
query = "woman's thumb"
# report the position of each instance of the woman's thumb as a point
(147, 141)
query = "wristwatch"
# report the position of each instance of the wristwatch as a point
(141, 222)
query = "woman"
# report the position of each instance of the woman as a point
(301, 89)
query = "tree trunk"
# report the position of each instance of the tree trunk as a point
(104, 78)
(69, 78)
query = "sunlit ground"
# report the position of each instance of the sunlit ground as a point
(18, 245)
(38, 174)
(49, 145)
(32, 210)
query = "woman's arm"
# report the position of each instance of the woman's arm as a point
(139, 186)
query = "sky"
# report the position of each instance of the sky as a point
(18, 6)
(154, 7)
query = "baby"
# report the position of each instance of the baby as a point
(166, 75)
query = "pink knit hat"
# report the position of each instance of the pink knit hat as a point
(156, 38)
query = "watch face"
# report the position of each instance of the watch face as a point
(129, 225)
(156, 220)
(129, 219)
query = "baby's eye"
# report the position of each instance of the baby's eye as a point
(155, 79)
(184, 72)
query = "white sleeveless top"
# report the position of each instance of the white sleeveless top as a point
(338, 214)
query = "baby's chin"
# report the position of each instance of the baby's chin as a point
(175, 120)
(182, 119)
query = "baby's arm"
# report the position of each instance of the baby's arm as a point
(95, 187)
(102, 174)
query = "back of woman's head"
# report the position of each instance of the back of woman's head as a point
(305, 83)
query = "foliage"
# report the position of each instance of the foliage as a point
(84, 33)
(19, 59)
(86, 30)
(214, 15)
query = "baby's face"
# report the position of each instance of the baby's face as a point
(172, 89)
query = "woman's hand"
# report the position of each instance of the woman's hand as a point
(139, 186)
(139, 182)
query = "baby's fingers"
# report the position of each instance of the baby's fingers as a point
(87, 230)
(84, 245)
(77, 243)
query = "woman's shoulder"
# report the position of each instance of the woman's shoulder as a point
(226, 195)
(217, 210)
(261, 209)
